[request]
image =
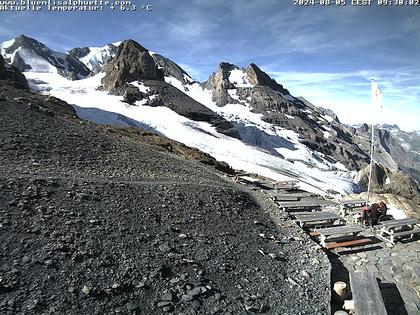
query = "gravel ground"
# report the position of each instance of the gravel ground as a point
(95, 221)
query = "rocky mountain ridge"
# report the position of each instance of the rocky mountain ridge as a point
(27, 54)
(144, 78)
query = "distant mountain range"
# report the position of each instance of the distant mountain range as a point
(239, 115)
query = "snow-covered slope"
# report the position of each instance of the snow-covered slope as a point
(264, 147)
(98, 106)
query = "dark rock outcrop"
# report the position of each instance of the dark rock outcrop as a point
(385, 180)
(12, 74)
(219, 84)
(132, 62)
(171, 69)
(179, 102)
(79, 52)
(257, 77)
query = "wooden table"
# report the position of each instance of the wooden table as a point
(366, 294)
(322, 217)
(288, 184)
(351, 204)
(285, 197)
(298, 206)
(325, 233)
(293, 214)
(392, 229)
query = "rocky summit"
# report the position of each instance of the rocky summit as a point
(132, 62)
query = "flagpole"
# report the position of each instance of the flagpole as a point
(371, 161)
(376, 100)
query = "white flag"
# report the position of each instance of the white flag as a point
(376, 94)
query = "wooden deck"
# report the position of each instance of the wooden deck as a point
(366, 294)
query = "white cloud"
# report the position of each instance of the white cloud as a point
(348, 94)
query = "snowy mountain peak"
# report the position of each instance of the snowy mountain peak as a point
(28, 54)
(94, 57)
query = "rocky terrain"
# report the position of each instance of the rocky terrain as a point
(99, 220)
(398, 149)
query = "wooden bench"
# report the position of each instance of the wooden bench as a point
(322, 218)
(298, 206)
(346, 205)
(366, 294)
(351, 243)
(394, 229)
(325, 233)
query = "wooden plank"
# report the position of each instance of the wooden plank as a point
(351, 243)
(317, 216)
(340, 230)
(366, 294)
(396, 223)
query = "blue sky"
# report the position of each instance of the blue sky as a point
(326, 54)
